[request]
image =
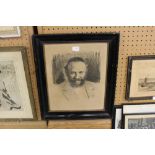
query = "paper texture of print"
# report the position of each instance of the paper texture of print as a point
(142, 78)
(9, 31)
(140, 121)
(76, 77)
(14, 95)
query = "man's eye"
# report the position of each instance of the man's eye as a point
(80, 72)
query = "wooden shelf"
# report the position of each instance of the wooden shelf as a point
(23, 125)
(81, 124)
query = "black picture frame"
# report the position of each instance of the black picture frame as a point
(113, 41)
(129, 76)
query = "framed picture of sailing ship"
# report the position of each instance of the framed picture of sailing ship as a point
(141, 78)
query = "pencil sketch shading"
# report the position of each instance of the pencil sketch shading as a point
(141, 123)
(10, 98)
(76, 76)
(146, 84)
(90, 58)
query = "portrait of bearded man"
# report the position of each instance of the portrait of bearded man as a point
(76, 91)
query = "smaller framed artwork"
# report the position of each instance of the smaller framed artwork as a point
(9, 31)
(139, 121)
(140, 78)
(76, 74)
(135, 110)
(117, 117)
(138, 108)
(16, 99)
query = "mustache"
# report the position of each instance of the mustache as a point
(74, 79)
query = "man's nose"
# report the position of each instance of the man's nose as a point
(77, 75)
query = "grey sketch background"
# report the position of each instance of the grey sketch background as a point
(10, 98)
(141, 123)
(91, 58)
(146, 84)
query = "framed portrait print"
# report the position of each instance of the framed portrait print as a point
(9, 31)
(76, 74)
(141, 78)
(117, 117)
(139, 121)
(16, 99)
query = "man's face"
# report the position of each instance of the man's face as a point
(76, 73)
